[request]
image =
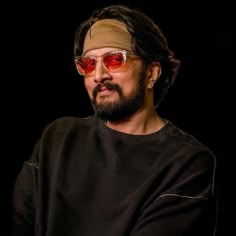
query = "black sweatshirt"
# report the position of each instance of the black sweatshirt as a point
(85, 179)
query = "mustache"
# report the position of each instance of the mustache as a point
(109, 86)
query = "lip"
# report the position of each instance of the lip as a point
(102, 88)
(105, 92)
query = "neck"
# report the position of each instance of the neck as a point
(141, 123)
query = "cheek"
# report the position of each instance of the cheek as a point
(129, 85)
(131, 82)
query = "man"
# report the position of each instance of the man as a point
(124, 170)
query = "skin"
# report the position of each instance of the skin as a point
(144, 120)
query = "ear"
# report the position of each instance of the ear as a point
(154, 75)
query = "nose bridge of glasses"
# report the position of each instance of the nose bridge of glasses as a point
(98, 68)
(99, 64)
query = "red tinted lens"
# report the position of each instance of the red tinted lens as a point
(113, 61)
(86, 65)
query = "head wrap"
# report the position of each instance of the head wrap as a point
(107, 33)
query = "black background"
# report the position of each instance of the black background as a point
(39, 82)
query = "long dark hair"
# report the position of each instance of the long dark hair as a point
(148, 42)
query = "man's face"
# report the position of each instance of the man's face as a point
(116, 95)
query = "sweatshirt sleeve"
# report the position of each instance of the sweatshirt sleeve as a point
(187, 207)
(24, 200)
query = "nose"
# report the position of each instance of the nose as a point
(100, 73)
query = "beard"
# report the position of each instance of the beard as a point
(122, 108)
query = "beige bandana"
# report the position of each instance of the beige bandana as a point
(107, 33)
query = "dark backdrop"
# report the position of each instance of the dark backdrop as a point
(39, 82)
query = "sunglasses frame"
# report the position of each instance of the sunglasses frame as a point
(78, 61)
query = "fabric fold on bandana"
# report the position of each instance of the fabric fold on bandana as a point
(107, 33)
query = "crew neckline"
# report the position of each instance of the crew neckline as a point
(105, 130)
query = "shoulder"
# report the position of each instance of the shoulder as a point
(183, 146)
(62, 133)
(68, 121)
(66, 128)
(69, 124)
(180, 137)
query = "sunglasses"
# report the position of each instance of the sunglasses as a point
(111, 61)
